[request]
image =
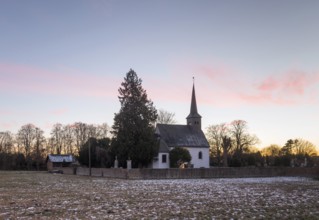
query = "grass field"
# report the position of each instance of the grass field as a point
(39, 195)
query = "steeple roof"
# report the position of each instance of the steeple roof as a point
(193, 113)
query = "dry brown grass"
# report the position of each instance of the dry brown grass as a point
(39, 195)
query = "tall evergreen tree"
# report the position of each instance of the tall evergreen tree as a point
(133, 127)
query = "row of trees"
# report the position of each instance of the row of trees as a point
(231, 139)
(233, 145)
(29, 147)
(296, 152)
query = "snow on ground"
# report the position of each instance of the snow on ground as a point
(29, 195)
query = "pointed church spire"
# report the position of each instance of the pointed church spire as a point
(194, 118)
(193, 103)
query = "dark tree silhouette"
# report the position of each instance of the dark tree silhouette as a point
(99, 152)
(215, 134)
(242, 139)
(133, 127)
(179, 155)
(226, 145)
(25, 137)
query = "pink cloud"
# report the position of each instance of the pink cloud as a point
(214, 73)
(220, 74)
(47, 126)
(216, 84)
(161, 91)
(28, 79)
(268, 84)
(7, 126)
(5, 112)
(176, 85)
(291, 87)
(224, 86)
(293, 82)
(60, 111)
(261, 99)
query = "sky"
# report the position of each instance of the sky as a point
(63, 62)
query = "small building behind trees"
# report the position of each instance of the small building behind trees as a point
(56, 161)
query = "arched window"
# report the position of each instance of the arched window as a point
(200, 155)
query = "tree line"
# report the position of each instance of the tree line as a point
(28, 148)
(231, 144)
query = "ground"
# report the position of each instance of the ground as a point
(40, 195)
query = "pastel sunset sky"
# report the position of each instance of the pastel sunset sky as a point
(258, 61)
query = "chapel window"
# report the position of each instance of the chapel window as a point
(164, 158)
(200, 155)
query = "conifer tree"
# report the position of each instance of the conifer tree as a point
(133, 127)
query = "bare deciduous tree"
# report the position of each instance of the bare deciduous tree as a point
(103, 131)
(80, 132)
(165, 117)
(68, 138)
(26, 136)
(57, 138)
(71, 138)
(6, 142)
(92, 131)
(303, 147)
(226, 145)
(242, 139)
(215, 134)
(272, 150)
(39, 146)
(50, 145)
(230, 138)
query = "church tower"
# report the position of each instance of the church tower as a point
(194, 119)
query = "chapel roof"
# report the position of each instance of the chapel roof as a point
(163, 147)
(60, 158)
(181, 135)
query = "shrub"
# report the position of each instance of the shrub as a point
(179, 155)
